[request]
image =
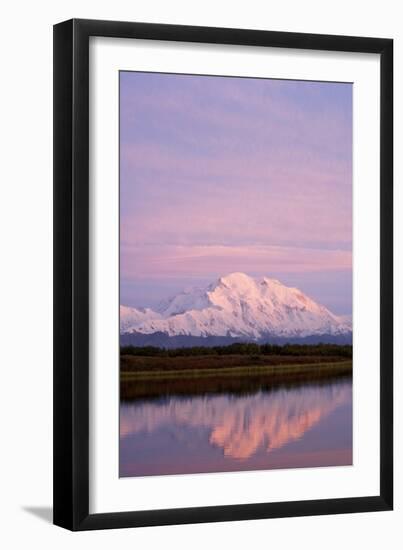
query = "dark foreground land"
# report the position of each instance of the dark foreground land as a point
(154, 372)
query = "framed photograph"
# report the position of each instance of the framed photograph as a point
(223, 259)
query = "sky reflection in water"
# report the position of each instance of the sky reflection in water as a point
(287, 427)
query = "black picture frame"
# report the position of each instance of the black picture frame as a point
(71, 274)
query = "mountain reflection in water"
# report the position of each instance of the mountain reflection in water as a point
(310, 423)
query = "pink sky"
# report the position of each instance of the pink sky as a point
(226, 174)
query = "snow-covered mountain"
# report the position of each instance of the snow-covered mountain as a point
(236, 306)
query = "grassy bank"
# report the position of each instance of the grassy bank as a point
(282, 368)
(238, 380)
(199, 364)
(239, 368)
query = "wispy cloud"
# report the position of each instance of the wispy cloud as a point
(211, 260)
(224, 174)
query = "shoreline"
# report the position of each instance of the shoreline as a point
(157, 385)
(317, 368)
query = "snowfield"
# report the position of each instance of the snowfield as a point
(236, 305)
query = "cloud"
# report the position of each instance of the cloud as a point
(227, 174)
(159, 262)
(172, 199)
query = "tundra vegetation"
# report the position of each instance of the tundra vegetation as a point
(151, 371)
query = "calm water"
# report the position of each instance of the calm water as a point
(303, 425)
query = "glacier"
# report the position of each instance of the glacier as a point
(236, 306)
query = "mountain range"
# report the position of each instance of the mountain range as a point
(233, 308)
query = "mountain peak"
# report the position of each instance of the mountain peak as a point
(237, 276)
(240, 306)
(236, 279)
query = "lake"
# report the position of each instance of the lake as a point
(306, 424)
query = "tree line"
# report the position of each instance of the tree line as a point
(324, 350)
